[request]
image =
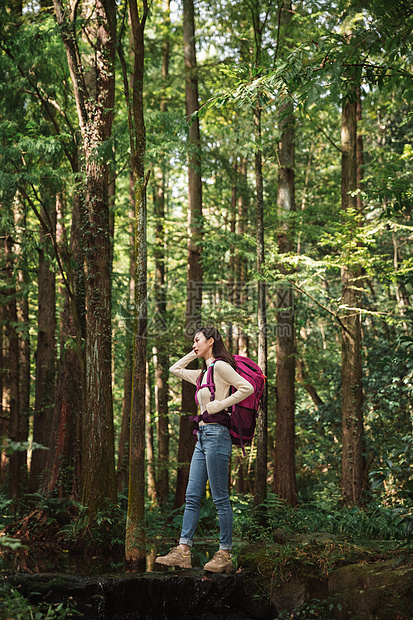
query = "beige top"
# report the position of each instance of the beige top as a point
(224, 377)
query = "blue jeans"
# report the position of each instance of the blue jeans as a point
(209, 462)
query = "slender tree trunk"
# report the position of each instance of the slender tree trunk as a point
(284, 465)
(150, 452)
(123, 445)
(194, 273)
(45, 361)
(2, 369)
(24, 379)
(4, 418)
(284, 483)
(64, 455)
(262, 424)
(135, 524)
(13, 360)
(352, 414)
(161, 357)
(232, 283)
(240, 262)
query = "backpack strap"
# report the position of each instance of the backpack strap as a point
(208, 384)
(218, 418)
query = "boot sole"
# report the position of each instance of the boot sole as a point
(224, 570)
(172, 565)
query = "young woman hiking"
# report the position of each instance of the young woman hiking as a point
(213, 448)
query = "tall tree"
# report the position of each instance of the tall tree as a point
(135, 549)
(194, 271)
(240, 261)
(352, 413)
(14, 363)
(23, 314)
(64, 455)
(284, 483)
(45, 357)
(93, 82)
(123, 444)
(262, 424)
(160, 346)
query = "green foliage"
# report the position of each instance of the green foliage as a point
(9, 542)
(315, 608)
(167, 522)
(105, 530)
(14, 605)
(9, 446)
(375, 522)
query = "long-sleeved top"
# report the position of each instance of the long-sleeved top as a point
(224, 377)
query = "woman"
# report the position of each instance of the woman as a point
(213, 448)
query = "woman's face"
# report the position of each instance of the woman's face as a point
(203, 346)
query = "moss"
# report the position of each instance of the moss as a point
(322, 566)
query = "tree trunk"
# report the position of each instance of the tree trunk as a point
(45, 361)
(23, 314)
(240, 261)
(64, 455)
(262, 423)
(150, 452)
(160, 349)
(352, 414)
(135, 547)
(284, 483)
(123, 445)
(94, 90)
(194, 273)
(3, 370)
(232, 283)
(13, 361)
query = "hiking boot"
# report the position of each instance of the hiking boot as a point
(176, 557)
(220, 563)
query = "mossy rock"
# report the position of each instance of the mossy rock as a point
(327, 568)
(376, 591)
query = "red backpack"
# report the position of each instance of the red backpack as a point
(242, 421)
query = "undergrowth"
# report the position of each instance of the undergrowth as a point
(42, 520)
(372, 522)
(13, 605)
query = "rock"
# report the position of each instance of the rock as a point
(280, 536)
(303, 571)
(175, 595)
(376, 591)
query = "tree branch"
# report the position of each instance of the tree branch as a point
(333, 314)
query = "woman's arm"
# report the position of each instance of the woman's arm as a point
(225, 374)
(179, 368)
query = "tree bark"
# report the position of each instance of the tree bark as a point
(14, 363)
(45, 360)
(123, 445)
(94, 94)
(194, 271)
(352, 414)
(161, 357)
(135, 547)
(240, 261)
(284, 483)
(150, 452)
(64, 455)
(232, 280)
(262, 423)
(23, 314)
